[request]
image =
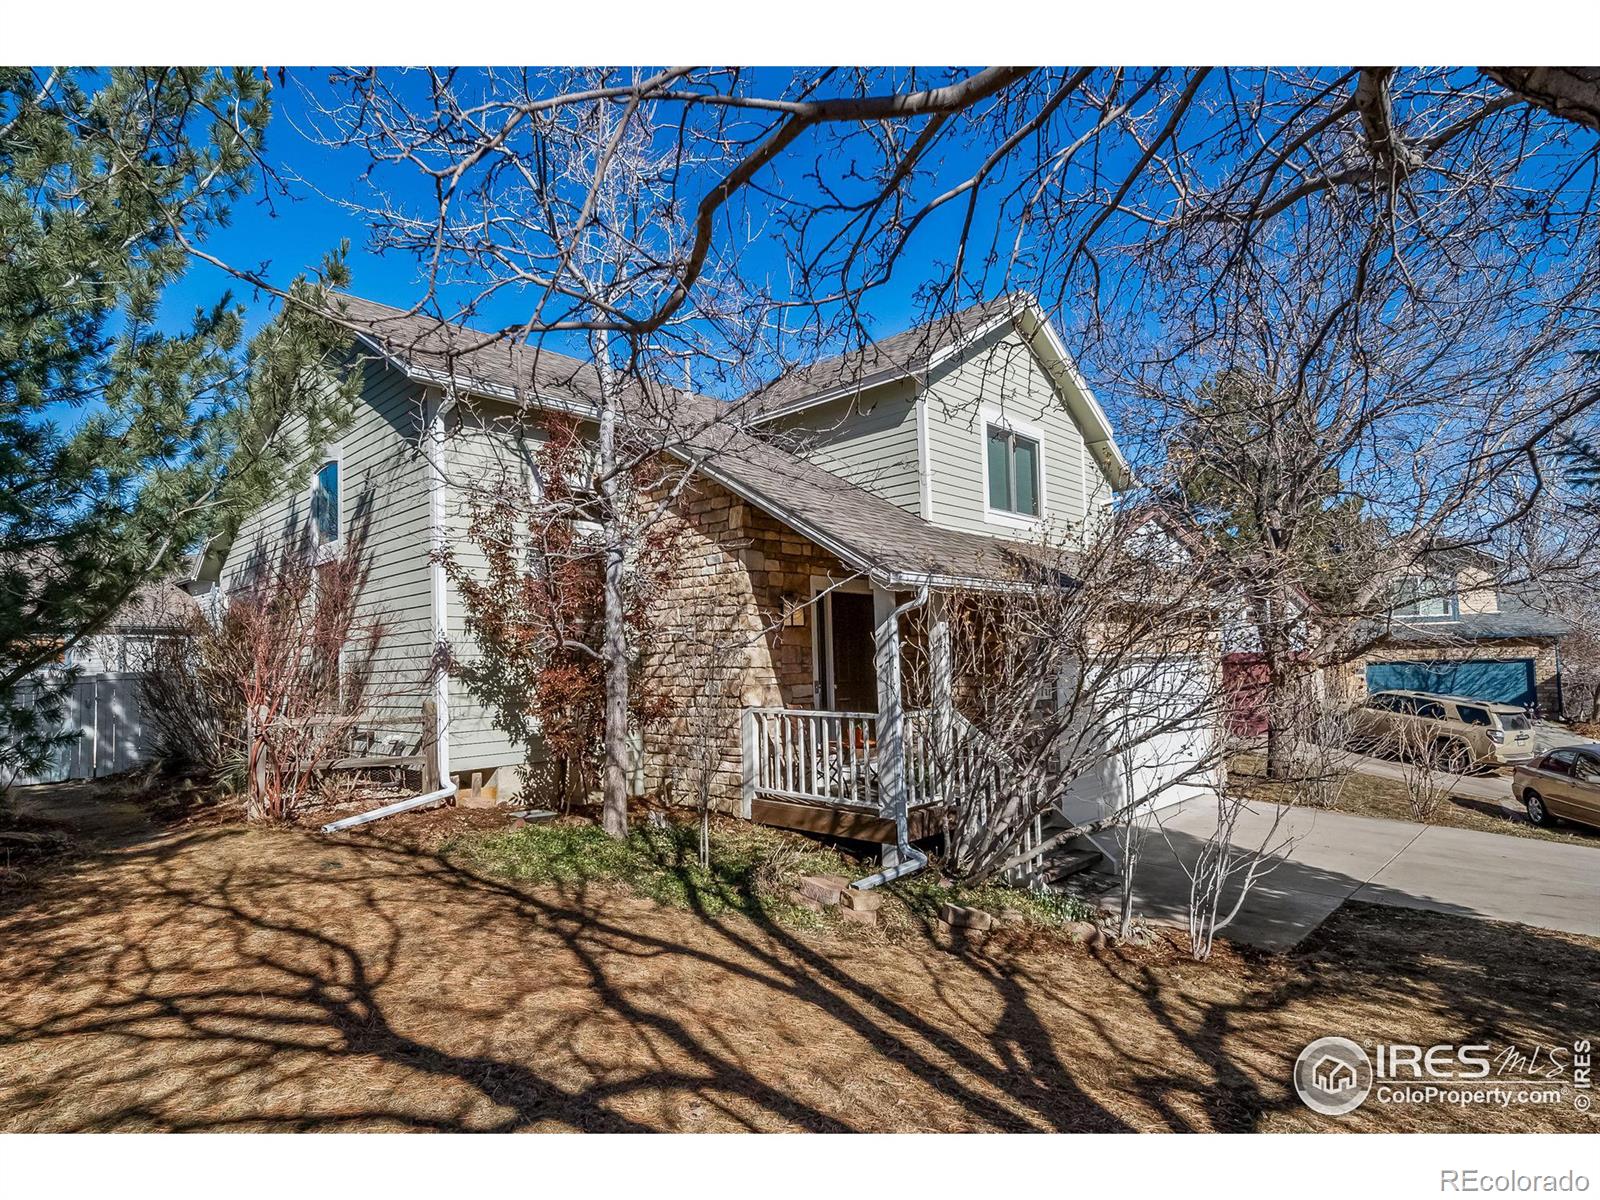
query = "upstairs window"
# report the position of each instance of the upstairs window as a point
(1013, 472)
(1416, 596)
(325, 503)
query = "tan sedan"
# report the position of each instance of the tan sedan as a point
(1563, 783)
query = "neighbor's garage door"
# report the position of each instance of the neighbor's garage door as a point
(1503, 680)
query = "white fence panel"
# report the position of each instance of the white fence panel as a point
(102, 713)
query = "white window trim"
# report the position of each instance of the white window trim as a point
(321, 551)
(1451, 602)
(988, 416)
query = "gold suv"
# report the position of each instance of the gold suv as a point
(1466, 733)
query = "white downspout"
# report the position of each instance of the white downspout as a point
(908, 859)
(389, 810)
(433, 450)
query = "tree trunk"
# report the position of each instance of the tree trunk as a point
(614, 781)
(614, 788)
(1276, 651)
(1280, 745)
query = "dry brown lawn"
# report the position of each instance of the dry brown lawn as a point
(1372, 796)
(224, 978)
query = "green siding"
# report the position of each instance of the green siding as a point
(872, 443)
(1002, 373)
(485, 444)
(380, 475)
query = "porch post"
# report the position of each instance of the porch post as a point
(747, 761)
(941, 684)
(891, 729)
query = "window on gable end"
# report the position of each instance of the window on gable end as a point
(1013, 462)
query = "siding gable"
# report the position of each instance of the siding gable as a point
(922, 448)
(1001, 376)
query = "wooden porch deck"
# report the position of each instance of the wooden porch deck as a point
(828, 773)
(843, 821)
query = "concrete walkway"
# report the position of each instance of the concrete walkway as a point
(1318, 860)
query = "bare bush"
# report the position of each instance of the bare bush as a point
(1429, 765)
(1055, 693)
(1229, 866)
(269, 694)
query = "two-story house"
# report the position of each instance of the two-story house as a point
(1457, 629)
(864, 484)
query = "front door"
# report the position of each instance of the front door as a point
(845, 656)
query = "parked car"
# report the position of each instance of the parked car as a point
(1468, 733)
(1563, 783)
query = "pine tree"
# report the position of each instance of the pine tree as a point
(123, 444)
(1583, 469)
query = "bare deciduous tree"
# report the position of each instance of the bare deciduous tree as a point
(1099, 655)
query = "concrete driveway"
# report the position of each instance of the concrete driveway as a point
(1318, 860)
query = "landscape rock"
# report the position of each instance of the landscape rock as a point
(958, 916)
(825, 889)
(861, 916)
(796, 896)
(1088, 933)
(864, 902)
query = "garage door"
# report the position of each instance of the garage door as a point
(1172, 763)
(1503, 680)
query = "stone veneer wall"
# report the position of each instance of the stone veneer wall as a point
(728, 647)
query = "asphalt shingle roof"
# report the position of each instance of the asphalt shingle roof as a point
(866, 531)
(892, 357)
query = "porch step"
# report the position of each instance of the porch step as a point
(1072, 860)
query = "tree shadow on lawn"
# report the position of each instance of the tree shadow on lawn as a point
(243, 979)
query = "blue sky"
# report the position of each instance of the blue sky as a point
(282, 236)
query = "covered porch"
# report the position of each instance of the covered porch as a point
(864, 761)
(816, 691)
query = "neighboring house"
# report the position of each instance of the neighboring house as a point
(915, 465)
(1456, 630)
(155, 613)
(101, 706)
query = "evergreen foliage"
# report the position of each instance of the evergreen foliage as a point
(126, 439)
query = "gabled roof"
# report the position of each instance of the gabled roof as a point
(896, 357)
(912, 354)
(865, 531)
(431, 350)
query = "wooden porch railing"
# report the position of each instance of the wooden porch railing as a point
(812, 756)
(977, 772)
(832, 758)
